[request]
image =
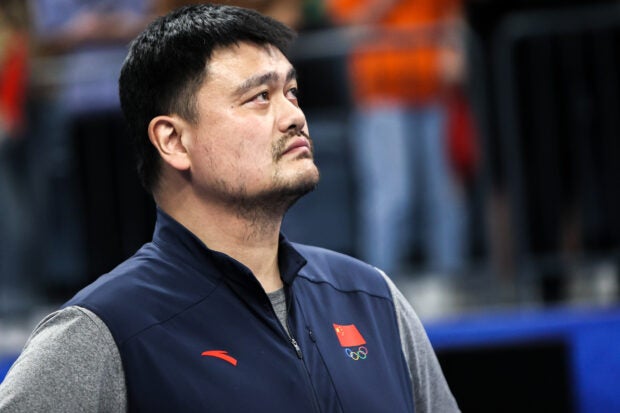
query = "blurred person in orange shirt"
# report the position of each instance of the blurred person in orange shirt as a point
(407, 58)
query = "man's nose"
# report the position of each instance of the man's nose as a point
(291, 116)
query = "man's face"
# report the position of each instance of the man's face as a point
(250, 146)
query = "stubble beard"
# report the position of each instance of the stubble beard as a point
(270, 205)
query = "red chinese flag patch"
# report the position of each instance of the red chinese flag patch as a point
(349, 336)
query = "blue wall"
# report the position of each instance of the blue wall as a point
(591, 337)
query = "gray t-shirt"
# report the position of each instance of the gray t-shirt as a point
(72, 364)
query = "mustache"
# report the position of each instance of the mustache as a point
(280, 144)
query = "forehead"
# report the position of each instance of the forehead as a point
(236, 63)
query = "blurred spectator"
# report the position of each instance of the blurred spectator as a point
(87, 183)
(14, 49)
(289, 12)
(13, 66)
(403, 68)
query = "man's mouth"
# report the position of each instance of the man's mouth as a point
(298, 143)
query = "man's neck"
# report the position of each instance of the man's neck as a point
(252, 240)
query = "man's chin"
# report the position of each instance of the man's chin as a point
(276, 201)
(292, 193)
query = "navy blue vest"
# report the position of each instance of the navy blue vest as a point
(196, 331)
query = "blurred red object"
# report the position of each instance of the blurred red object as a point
(13, 80)
(462, 136)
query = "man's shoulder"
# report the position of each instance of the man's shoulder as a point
(141, 291)
(134, 274)
(340, 270)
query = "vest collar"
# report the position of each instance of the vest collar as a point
(173, 238)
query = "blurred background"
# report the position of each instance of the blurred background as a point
(470, 148)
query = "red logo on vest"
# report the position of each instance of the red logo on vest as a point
(220, 354)
(349, 336)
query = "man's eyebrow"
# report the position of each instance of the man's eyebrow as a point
(263, 79)
(292, 74)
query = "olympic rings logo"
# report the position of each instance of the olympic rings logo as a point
(360, 354)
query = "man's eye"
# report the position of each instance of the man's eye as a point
(293, 93)
(262, 96)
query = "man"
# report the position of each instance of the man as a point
(404, 72)
(220, 313)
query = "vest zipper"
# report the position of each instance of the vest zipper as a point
(315, 400)
(289, 332)
(297, 348)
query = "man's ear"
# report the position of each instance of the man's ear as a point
(166, 133)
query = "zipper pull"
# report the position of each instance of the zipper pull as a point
(297, 348)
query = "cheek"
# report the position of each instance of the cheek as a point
(243, 143)
(243, 159)
(254, 144)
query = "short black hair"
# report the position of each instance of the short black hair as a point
(167, 63)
